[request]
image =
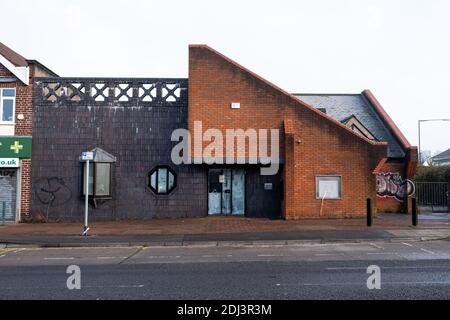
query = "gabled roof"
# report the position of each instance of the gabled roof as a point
(442, 156)
(387, 120)
(12, 56)
(15, 63)
(343, 107)
(19, 66)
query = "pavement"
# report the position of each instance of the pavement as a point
(220, 230)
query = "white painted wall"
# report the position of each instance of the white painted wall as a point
(7, 129)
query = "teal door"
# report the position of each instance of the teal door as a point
(226, 191)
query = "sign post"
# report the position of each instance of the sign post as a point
(86, 156)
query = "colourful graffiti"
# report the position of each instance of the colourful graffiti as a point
(392, 185)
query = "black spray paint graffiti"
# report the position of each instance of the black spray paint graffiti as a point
(392, 185)
(52, 192)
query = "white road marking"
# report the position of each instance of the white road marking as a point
(375, 253)
(270, 255)
(406, 283)
(407, 244)
(59, 258)
(117, 286)
(52, 287)
(326, 254)
(345, 268)
(427, 251)
(376, 246)
(393, 267)
(105, 258)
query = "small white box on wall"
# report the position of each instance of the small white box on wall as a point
(235, 105)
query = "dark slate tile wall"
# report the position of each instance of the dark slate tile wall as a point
(259, 201)
(137, 133)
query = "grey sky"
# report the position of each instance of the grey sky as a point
(398, 49)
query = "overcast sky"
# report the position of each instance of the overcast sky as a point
(398, 49)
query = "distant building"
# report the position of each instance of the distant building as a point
(442, 158)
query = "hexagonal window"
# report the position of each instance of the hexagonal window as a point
(162, 180)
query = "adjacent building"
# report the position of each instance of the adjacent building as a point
(441, 159)
(330, 152)
(16, 82)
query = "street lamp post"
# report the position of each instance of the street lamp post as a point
(419, 123)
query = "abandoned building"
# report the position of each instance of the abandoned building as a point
(335, 150)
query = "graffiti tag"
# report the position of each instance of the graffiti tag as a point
(392, 185)
(52, 191)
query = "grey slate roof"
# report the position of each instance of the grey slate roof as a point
(442, 156)
(342, 106)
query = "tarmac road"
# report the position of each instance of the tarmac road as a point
(409, 270)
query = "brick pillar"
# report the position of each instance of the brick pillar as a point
(25, 188)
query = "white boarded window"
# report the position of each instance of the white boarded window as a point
(328, 187)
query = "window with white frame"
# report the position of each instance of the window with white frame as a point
(7, 105)
(328, 187)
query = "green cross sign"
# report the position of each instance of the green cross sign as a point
(15, 147)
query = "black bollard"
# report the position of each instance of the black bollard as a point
(369, 212)
(414, 212)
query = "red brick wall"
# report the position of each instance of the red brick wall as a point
(22, 128)
(315, 145)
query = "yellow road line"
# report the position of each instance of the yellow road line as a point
(7, 250)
